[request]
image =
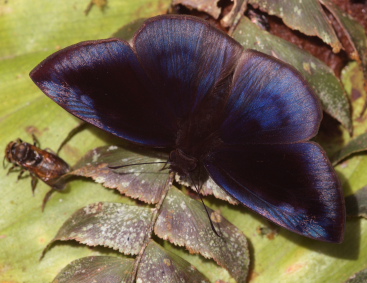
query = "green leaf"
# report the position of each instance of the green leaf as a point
(356, 145)
(356, 204)
(321, 77)
(307, 16)
(97, 269)
(353, 81)
(360, 277)
(184, 222)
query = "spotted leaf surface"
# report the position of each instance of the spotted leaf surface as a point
(184, 222)
(160, 265)
(143, 181)
(360, 277)
(207, 187)
(97, 269)
(115, 225)
(307, 16)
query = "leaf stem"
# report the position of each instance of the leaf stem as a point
(155, 215)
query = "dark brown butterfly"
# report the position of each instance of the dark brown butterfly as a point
(242, 116)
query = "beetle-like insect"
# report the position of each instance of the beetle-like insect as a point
(41, 164)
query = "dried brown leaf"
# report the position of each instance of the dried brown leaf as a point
(307, 16)
(207, 6)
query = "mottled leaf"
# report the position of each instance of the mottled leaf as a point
(160, 265)
(355, 145)
(360, 277)
(356, 204)
(97, 269)
(184, 222)
(146, 182)
(232, 18)
(208, 6)
(321, 77)
(208, 187)
(115, 225)
(307, 16)
(354, 31)
(142, 181)
(353, 82)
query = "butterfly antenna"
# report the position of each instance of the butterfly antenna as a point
(198, 189)
(133, 164)
(164, 166)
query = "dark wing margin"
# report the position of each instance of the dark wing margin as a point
(293, 185)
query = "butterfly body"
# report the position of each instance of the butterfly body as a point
(244, 116)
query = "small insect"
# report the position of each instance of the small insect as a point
(41, 164)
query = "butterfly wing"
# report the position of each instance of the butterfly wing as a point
(270, 103)
(263, 161)
(103, 83)
(185, 58)
(293, 185)
(140, 93)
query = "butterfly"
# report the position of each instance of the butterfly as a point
(244, 116)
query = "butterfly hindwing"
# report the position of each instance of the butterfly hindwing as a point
(293, 185)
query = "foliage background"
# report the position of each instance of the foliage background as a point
(29, 32)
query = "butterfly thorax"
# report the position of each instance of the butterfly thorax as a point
(182, 163)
